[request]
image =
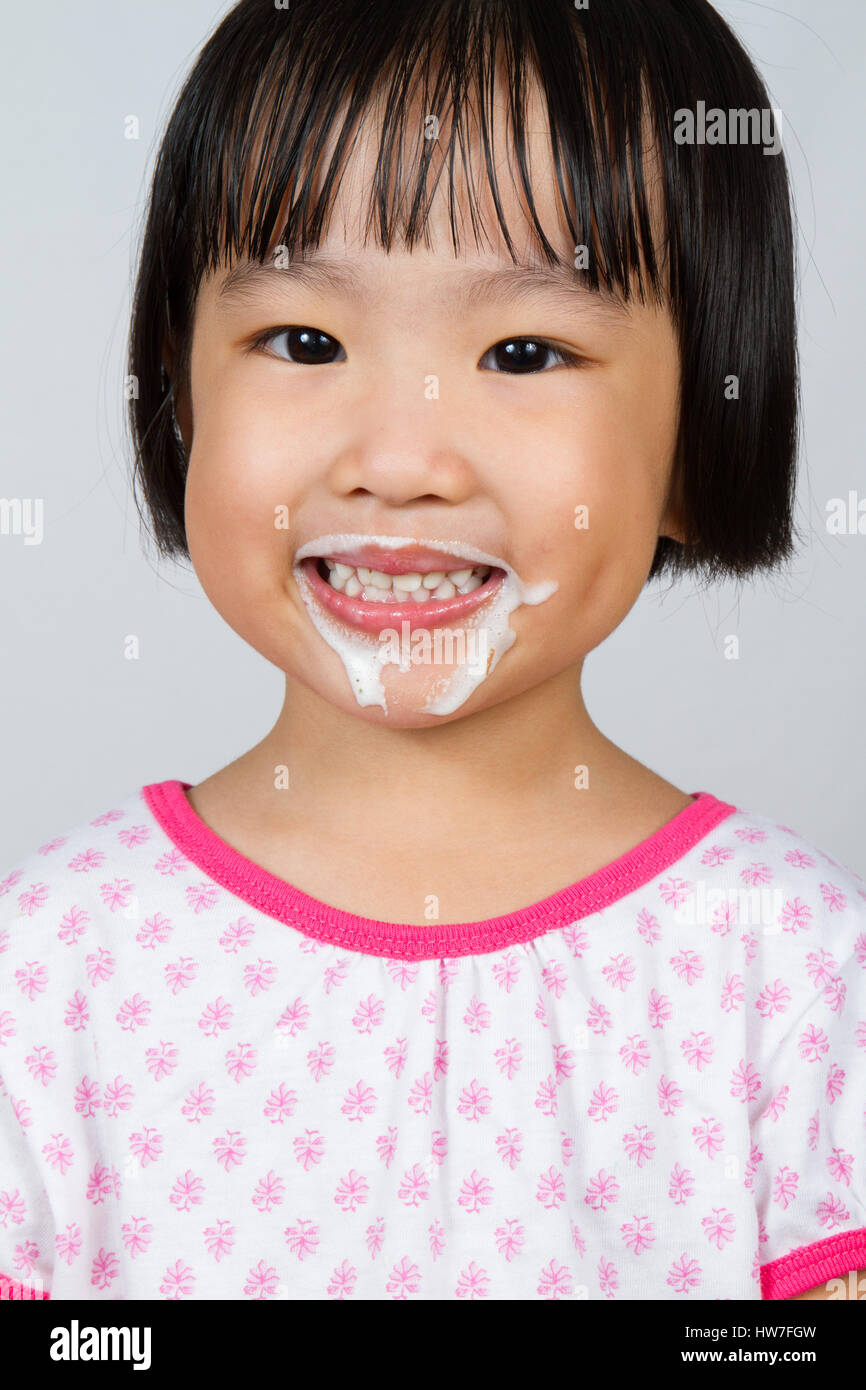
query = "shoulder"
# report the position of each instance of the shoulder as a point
(756, 834)
(797, 925)
(48, 892)
(785, 921)
(773, 870)
(66, 913)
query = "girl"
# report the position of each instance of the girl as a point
(451, 330)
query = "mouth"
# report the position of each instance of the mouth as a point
(372, 587)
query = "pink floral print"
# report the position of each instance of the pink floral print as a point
(202, 1100)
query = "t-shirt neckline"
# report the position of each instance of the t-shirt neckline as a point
(278, 899)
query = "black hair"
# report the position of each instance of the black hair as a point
(234, 176)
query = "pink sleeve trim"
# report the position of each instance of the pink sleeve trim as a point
(13, 1289)
(810, 1265)
(276, 898)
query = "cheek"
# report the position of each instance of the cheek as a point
(603, 551)
(238, 513)
(614, 555)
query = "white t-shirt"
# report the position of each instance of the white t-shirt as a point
(651, 1085)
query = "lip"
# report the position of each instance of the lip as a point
(373, 616)
(409, 559)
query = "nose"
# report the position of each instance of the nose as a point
(402, 452)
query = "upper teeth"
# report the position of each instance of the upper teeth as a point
(385, 588)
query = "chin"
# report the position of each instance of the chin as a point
(405, 707)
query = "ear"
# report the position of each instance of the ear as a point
(181, 404)
(672, 523)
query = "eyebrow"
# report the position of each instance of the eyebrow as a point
(249, 282)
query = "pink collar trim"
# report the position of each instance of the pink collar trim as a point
(278, 899)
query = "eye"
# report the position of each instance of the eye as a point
(523, 356)
(308, 347)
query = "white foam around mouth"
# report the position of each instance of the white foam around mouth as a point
(364, 654)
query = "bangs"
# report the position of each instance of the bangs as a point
(274, 141)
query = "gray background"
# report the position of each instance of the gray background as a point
(780, 731)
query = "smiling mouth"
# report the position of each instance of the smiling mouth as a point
(425, 589)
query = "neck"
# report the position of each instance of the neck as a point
(487, 770)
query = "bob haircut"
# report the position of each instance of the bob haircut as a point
(234, 176)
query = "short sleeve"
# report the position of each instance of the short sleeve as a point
(807, 1167)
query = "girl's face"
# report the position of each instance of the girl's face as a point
(408, 410)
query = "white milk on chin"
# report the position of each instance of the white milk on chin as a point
(365, 654)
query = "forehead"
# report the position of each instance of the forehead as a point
(467, 255)
(463, 181)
